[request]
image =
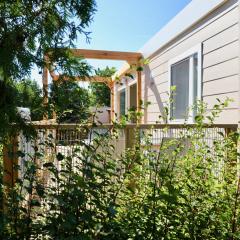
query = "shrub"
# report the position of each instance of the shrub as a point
(186, 188)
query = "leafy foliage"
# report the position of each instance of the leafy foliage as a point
(9, 115)
(100, 92)
(70, 101)
(29, 95)
(28, 30)
(184, 189)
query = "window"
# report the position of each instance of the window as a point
(133, 97)
(180, 79)
(127, 98)
(122, 96)
(185, 76)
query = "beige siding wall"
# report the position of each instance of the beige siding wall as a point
(219, 34)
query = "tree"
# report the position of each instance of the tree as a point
(100, 91)
(8, 102)
(31, 28)
(29, 95)
(70, 101)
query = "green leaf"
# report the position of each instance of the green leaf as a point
(48, 165)
(60, 157)
(35, 203)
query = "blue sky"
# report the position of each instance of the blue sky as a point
(126, 25)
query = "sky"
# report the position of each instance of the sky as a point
(125, 25)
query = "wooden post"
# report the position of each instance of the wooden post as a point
(228, 131)
(112, 118)
(139, 94)
(45, 91)
(130, 57)
(129, 137)
(10, 162)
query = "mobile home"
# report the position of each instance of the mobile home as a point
(198, 53)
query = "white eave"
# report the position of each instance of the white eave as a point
(190, 15)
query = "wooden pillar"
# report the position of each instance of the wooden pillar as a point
(10, 162)
(112, 102)
(45, 91)
(139, 94)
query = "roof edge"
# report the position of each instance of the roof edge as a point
(190, 15)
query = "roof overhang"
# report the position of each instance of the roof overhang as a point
(189, 16)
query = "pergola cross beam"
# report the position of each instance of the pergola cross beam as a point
(130, 57)
(99, 79)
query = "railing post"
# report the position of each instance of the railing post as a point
(10, 162)
(228, 131)
(129, 137)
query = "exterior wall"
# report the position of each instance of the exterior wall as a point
(219, 35)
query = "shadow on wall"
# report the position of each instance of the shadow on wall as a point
(150, 84)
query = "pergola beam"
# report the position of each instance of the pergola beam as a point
(83, 79)
(131, 57)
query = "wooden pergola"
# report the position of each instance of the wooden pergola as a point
(132, 58)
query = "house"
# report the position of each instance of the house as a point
(198, 53)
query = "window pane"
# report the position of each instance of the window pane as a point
(133, 97)
(133, 101)
(180, 79)
(122, 102)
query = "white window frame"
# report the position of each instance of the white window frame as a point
(195, 50)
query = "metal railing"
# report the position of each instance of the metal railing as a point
(52, 139)
(65, 136)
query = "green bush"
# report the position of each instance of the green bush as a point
(177, 191)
